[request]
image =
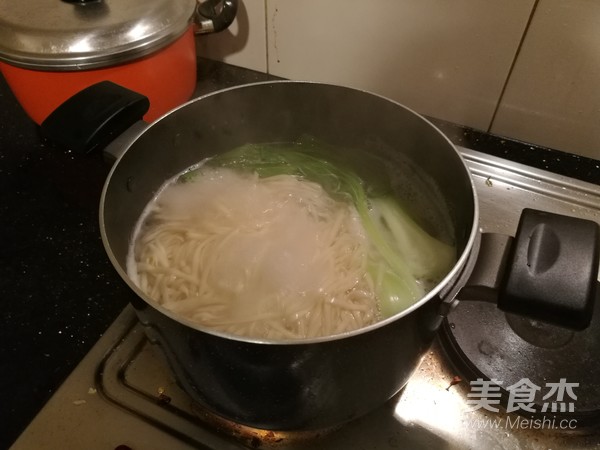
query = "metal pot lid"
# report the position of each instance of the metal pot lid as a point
(86, 34)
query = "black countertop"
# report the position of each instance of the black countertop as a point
(58, 289)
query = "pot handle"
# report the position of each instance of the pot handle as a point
(548, 271)
(213, 16)
(94, 117)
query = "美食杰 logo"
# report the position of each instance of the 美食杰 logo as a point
(557, 397)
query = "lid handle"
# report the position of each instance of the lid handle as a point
(213, 16)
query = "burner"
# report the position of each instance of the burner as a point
(486, 343)
(258, 438)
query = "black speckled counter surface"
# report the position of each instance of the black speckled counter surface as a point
(58, 290)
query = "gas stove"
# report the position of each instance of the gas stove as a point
(123, 395)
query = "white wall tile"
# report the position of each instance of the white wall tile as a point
(447, 59)
(553, 97)
(243, 43)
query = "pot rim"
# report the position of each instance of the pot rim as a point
(452, 275)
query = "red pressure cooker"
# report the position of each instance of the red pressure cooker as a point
(51, 49)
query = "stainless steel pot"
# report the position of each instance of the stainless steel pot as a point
(323, 382)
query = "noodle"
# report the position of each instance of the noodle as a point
(273, 257)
